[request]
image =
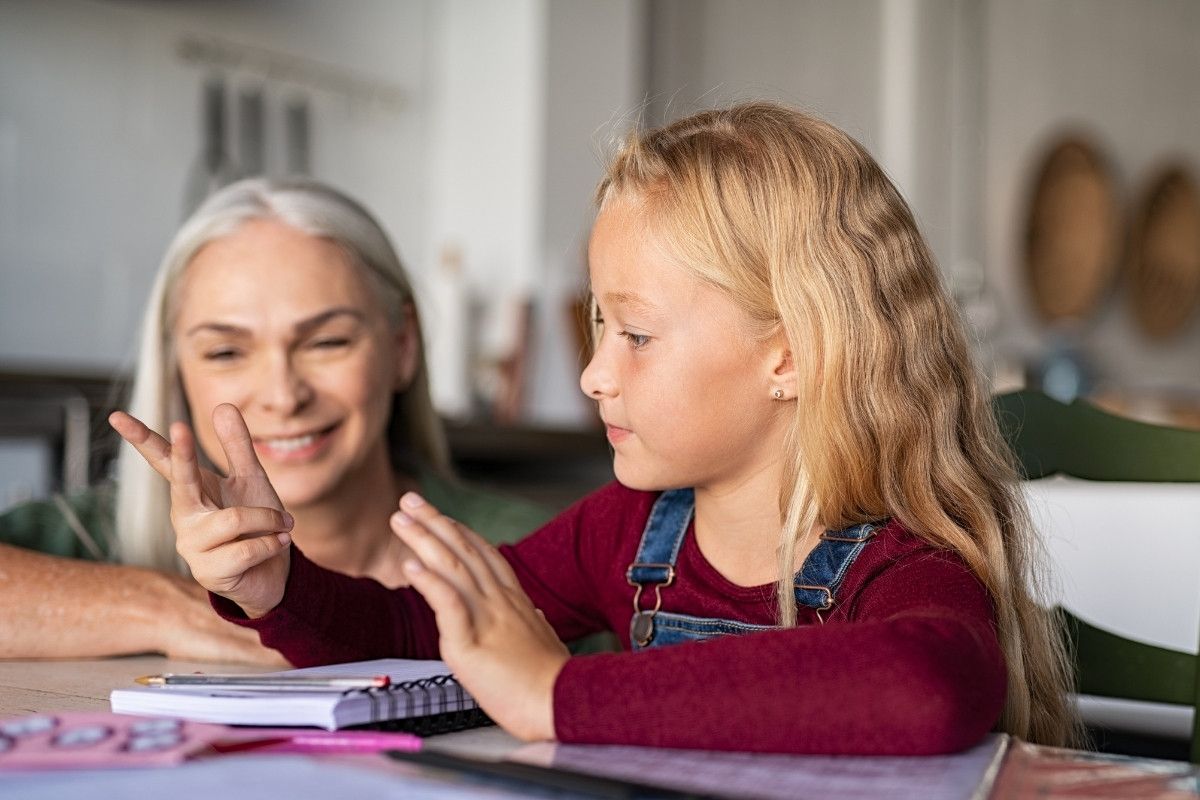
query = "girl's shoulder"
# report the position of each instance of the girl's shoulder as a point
(899, 558)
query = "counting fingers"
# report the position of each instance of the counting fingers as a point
(152, 447)
(236, 441)
(186, 488)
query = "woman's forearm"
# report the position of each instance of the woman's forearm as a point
(52, 607)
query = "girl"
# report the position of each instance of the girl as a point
(816, 542)
(286, 298)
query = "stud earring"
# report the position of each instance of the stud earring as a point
(777, 394)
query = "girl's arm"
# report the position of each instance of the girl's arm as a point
(917, 671)
(53, 607)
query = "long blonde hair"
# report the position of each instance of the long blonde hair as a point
(798, 224)
(143, 529)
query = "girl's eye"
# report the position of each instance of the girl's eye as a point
(223, 354)
(636, 340)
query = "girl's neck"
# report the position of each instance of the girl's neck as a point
(738, 527)
(348, 531)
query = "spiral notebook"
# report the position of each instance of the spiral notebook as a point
(422, 698)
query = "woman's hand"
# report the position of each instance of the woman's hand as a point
(231, 530)
(497, 644)
(189, 630)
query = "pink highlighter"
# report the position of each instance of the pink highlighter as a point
(96, 740)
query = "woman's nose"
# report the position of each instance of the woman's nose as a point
(283, 390)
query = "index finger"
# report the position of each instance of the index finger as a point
(235, 441)
(152, 447)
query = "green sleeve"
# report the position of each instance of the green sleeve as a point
(47, 527)
(497, 518)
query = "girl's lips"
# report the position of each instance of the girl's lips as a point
(616, 435)
(294, 448)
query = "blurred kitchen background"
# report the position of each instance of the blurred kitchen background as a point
(1049, 148)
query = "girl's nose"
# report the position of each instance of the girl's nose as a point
(597, 380)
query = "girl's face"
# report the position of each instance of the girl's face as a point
(684, 389)
(284, 326)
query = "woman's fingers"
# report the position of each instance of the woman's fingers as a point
(213, 529)
(187, 493)
(152, 447)
(235, 441)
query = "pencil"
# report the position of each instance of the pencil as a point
(303, 683)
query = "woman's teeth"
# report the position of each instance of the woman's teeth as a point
(295, 443)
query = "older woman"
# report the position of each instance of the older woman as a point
(285, 299)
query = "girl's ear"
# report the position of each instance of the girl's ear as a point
(783, 378)
(407, 345)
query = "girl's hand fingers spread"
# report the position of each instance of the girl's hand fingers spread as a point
(440, 544)
(456, 626)
(499, 565)
(152, 447)
(187, 495)
(236, 441)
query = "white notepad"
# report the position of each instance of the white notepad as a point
(421, 693)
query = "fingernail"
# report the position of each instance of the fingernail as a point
(284, 539)
(400, 518)
(414, 567)
(412, 500)
(289, 521)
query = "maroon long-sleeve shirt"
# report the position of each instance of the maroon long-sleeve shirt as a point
(907, 661)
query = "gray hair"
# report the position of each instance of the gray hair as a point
(143, 527)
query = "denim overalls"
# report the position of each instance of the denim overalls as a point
(816, 583)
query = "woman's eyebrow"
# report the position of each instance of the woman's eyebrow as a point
(317, 320)
(302, 327)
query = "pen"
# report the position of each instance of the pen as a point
(579, 784)
(302, 683)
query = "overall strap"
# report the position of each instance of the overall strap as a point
(654, 565)
(817, 582)
(662, 538)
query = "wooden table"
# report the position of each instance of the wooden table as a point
(1026, 771)
(68, 685)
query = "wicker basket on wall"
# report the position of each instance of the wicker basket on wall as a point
(1163, 266)
(1072, 242)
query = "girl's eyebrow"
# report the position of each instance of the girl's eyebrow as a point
(302, 327)
(632, 300)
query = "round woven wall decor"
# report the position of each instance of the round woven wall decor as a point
(1164, 254)
(1072, 235)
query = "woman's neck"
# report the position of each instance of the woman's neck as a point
(348, 531)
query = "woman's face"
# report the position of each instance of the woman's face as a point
(285, 326)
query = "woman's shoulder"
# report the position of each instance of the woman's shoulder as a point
(79, 525)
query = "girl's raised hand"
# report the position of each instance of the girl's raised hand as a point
(231, 530)
(497, 644)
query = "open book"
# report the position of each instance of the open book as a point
(422, 697)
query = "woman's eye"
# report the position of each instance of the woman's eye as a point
(636, 340)
(223, 354)
(330, 343)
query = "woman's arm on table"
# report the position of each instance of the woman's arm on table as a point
(53, 607)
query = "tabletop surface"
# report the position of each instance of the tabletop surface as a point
(83, 685)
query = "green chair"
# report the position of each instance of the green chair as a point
(1082, 441)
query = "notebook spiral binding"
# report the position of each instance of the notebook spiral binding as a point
(431, 706)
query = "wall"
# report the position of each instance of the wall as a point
(956, 98)
(1127, 73)
(98, 129)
